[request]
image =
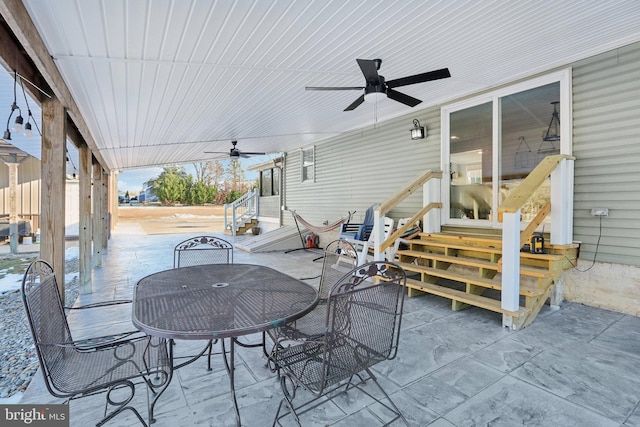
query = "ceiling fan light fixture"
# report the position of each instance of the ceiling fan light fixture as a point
(418, 132)
(374, 94)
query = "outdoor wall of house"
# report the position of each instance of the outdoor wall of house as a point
(72, 209)
(28, 191)
(360, 168)
(606, 142)
(269, 213)
(29, 196)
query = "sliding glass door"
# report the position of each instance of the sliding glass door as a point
(491, 143)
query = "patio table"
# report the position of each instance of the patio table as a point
(220, 301)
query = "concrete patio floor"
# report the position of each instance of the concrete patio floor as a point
(576, 366)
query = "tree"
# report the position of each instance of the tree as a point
(171, 185)
(210, 172)
(200, 193)
(235, 173)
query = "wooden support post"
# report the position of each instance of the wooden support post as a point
(510, 265)
(13, 204)
(53, 174)
(85, 236)
(113, 201)
(378, 236)
(431, 193)
(98, 215)
(562, 203)
(105, 211)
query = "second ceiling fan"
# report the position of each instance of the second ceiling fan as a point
(234, 153)
(377, 88)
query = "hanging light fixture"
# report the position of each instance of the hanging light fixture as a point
(27, 126)
(14, 107)
(418, 132)
(553, 131)
(17, 125)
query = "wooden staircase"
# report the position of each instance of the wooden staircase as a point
(241, 229)
(466, 269)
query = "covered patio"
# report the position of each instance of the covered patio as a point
(575, 366)
(140, 86)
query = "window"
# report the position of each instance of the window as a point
(266, 183)
(307, 168)
(270, 182)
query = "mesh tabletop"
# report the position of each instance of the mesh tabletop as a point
(218, 301)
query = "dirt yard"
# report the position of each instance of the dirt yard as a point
(174, 219)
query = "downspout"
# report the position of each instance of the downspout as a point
(282, 189)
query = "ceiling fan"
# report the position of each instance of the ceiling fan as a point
(377, 88)
(234, 153)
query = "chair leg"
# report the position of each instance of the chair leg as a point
(122, 404)
(287, 400)
(395, 409)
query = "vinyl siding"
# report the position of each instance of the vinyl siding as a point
(360, 168)
(28, 187)
(606, 144)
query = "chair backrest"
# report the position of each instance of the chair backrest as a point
(340, 256)
(47, 320)
(364, 312)
(360, 231)
(202, 250)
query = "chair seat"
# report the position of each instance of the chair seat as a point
(82, 371)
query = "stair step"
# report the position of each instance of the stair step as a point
(471, 299)
(243, 228)
(485, 245)
(485, 249)
(525, 288)
(474, 262)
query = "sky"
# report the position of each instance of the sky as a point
(132, 180)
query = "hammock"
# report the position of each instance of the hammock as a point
(317, 229)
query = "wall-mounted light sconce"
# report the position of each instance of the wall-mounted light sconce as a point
(418, 132)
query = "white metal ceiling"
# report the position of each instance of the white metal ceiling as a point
(163, 81)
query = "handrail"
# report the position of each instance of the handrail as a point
(523, 191)
(383, 208)
(400, 231)
(535, 222)
(416, 184)
(247, 204)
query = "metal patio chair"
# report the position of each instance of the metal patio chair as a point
(78, 368)
(339, 258)
(203, 250)
(362, 328)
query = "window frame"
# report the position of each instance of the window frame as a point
(308, 167)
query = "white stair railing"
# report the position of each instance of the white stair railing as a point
(241, 211)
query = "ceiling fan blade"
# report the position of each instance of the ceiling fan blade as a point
(420, 78)
(369, 68)
(216, 152)
(334, 88)
(355, 103)
(401, 97)
(249, 153)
